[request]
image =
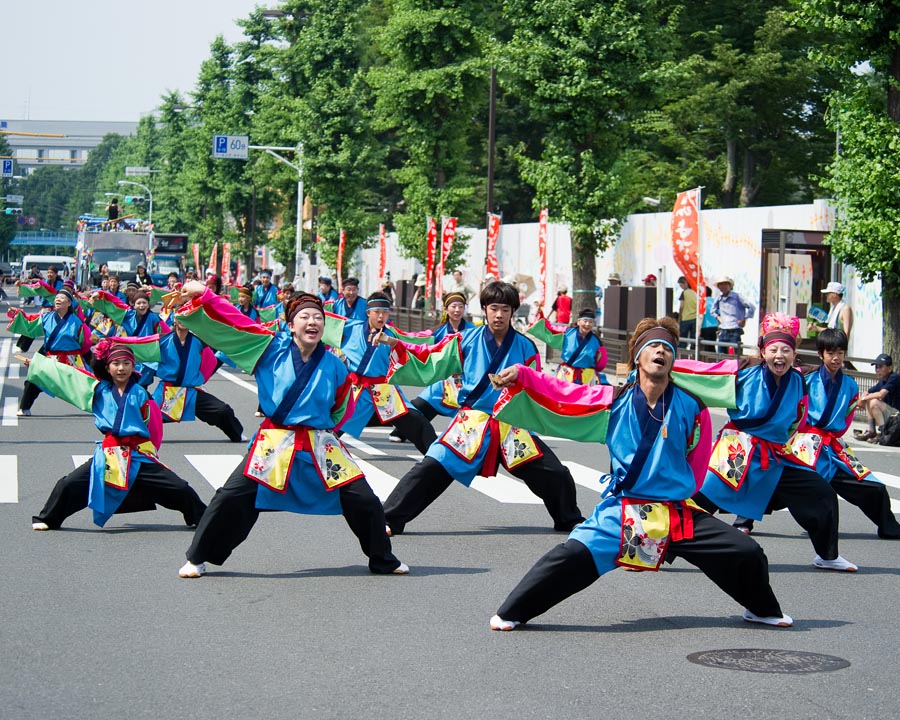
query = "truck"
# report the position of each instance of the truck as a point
(169, 254)
(121, 251)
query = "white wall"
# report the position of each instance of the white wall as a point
(731, 245)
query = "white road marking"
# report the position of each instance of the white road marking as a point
(361, 446)
(215, 469)
(237, 381)
(381, 483)
(9, 479)
(79, 460)
(585, 476)
(10, 407)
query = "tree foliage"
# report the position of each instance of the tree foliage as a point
(862, 45)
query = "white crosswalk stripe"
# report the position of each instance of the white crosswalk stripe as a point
(215, 469)
(9, 479)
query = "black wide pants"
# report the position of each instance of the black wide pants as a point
(733, 561)
(232, 514)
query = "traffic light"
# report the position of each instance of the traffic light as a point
(134, 200)
(13, 211)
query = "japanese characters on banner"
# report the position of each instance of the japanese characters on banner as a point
(542, 254)
(212, 258)
(226, 263)
(342, 244)
(448, 235)
(196, 248)
(382, 252)
(238, 273)
(430, 240)
(491, 266)
(686, 243)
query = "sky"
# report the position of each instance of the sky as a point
(104, 60)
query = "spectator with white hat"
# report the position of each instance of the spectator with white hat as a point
(840, 315)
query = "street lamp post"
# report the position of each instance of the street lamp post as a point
(149, 195)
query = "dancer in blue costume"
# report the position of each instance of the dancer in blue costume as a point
(266, 294)
(296, 463)
(125, 474)
(475, 443)
(440, 398)
(748, 470)
(583, 355)
(66, 338)
(350, 305)
(369, 360)
(818, 447)
(659, 438)
(185, 364)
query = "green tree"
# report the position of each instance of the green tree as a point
(582, 68)
(431, 102)
(740, 109)
(864, 48)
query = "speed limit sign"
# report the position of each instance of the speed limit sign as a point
(32, 220)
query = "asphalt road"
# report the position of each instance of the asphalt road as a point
(96, 623)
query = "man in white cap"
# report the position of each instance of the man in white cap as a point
(732, 312)
(840, 315)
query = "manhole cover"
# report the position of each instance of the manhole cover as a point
(768, 661)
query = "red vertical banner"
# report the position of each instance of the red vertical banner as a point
(382, 253)
(196, 248)
(212, 258)
(448, 235)
(238, 274)
(342, 244)
(686, 243)
(542, 253)
(226, 263)
(431, 238)
(491, 266)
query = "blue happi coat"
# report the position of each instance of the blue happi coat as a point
(748, 459)
(370, 363)
(122, 419)
(666, 469)
(434, 393)
(477, 393)
(357, 312)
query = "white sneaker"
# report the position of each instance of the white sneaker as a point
(189, 570)
(23, 413)
(395, 439)
(39, 526)
(388, 531)
(837, 564)
(782, 621)
(402, 570)
(498, 623)
(258, 413)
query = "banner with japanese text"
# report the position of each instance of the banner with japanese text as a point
(542, 255)
(491, 266)
(226, 263)
(211, 268)
(448, 235)
(382, 253)
(686, 243)
(430, 240)
(342, 244)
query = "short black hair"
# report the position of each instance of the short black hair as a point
(500, 293)
(831, 339)
(378, 295)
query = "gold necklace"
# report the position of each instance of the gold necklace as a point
(662, 417)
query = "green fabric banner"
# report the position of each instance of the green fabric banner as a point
(63, 381)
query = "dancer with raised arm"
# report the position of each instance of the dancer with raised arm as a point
(658, 437)
(296, 463)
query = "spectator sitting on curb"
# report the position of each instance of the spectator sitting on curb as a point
(882, 400)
